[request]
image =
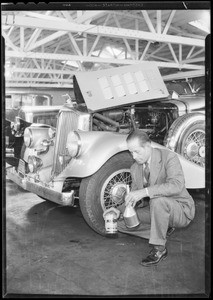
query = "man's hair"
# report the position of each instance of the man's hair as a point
(139, 134)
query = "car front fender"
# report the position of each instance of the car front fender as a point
(98, 147)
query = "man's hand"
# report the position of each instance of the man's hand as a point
(133, 197)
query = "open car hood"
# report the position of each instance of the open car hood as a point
(119, 86)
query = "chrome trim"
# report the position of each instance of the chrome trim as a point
(31, 137)
(79, 144)
(65, 199)
(67, 121)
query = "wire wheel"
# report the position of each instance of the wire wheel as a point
(114, 189)
(193, 146)
(104, 189)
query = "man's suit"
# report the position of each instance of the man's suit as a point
(170, 203)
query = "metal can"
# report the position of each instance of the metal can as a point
(110, 216)
(131, 217)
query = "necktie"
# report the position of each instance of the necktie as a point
(146, 172)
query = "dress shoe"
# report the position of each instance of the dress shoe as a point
(154, 257)
(170, 231)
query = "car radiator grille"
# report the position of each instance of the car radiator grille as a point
(67, 121)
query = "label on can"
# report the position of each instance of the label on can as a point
(110, 224)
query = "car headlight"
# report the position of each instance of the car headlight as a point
(34, 164)
(28, 137)
(73, 144)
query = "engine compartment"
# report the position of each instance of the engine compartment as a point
(154, 119)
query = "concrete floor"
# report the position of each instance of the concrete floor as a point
(51, 250)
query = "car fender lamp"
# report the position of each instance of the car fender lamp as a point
(73, 144)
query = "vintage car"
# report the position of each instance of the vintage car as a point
(14, 131)
(87, 159)
(15, 100)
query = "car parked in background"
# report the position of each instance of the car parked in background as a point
(87, 156)
(14, 101)
(14, 131)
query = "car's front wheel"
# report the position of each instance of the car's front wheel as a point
(192, 144)
(104, 189)
(186, 136)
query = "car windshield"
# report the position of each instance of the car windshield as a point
(20, 100)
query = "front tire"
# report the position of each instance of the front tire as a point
(192, 143)
(104, 189)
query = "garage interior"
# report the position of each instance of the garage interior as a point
(49, 249)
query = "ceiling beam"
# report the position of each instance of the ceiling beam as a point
(38, 79)
(47, 39)
(125, 40)
(157, 50)
(161, 58)
(173, 53)
(45, 16)
(42, 71)
(93, 59)
(159, 21)
(35, 34)
(175, 29)
(74, 45)
(8, 41)
(38, 85)
(145, 51)
(64, 25)
(181, 75)
(90, 14)
(180, 53)
(193, 60)
(94, 45)
(198, 52)
(22, 38)
(67, 15)
(190, 52)
(148, 21)
(166, 28)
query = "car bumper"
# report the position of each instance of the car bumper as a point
(65, 199)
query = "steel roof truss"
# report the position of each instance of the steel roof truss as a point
(145, 50)
(173, 53)
(9, 42)
(166, 28)
(125, 40)
(106, 31)
(148, 21)
(47, 39)
(93, 59)
(74, 44)
(158, 22)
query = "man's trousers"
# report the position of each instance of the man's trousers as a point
(155, 219)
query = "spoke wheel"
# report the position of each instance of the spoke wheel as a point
(192, 145)
(105, 189)
(113, 190)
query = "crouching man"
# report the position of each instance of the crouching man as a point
(158, 193)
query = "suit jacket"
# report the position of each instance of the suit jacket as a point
(166, 179)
